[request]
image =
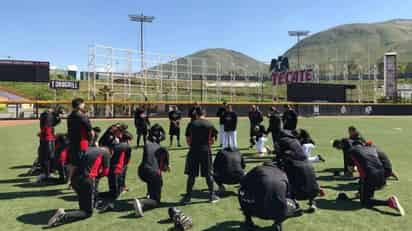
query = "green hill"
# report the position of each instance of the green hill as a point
(353, 42)
(230, 61)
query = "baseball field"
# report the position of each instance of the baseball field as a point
(28, 206)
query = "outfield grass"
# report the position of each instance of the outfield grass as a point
(25, 206)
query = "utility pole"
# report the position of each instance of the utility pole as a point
(298, 34)
(141, 19)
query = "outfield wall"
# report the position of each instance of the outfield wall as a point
(101, 109)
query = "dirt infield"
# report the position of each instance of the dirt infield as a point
(5, 123)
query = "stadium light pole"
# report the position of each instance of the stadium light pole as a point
(298, 34)
(140, 18)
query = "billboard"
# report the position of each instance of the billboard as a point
(64, 84)
(288, 77)
(24, 71)
(390, 65)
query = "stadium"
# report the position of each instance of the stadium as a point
(335, 79)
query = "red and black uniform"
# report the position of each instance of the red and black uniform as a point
(94, 165)
(265, 193)
(48, 120)
(142, 123)
(61, 157)
(290, 119)
(371, 173)
(255, 118)
(200, 135)
(174, 129)
(78, 130)
(118, 166)
(228, 167)
(155, 161)
(108, 137)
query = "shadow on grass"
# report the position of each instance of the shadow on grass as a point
(339, 205)
(335, 178)
(50, 182)
(385, 212)
(70, 198)
(15, 181)
(25, 194)
(234, 226)
(36, 218)
(177, 148)
(20, 167)
(344, 187)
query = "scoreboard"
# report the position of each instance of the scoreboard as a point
(24, 71)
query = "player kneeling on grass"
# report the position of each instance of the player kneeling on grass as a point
(259, 134)
(264, 193)
(228, 168)
(302, 177)
(94, 164)
(308, 145)
(155, 161)
(386, 162)
(371, 174)
(61, 157)
(118, 165)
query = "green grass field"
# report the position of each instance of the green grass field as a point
(27, 206)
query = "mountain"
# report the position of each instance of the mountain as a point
(225, 59)
(353, 42)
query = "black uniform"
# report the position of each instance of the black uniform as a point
(290, 147)
(264, 193)
(78, 130)
(290, 119)
(174, 129)
(228, 167)
(230, 121)
(220, 112)
(95, 164)
(275, 126)
(255, 118)
(155, 160)
(118, 166)
(200, 134)
(48, 120)
(302, 178)
(191, 112)
(108, 137)
(142, 123)
(371, 173)
(386, 163)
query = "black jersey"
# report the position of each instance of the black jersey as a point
(367, 161)
(155, 159)
(255, 117)
(275, 123)
(121, 157)
(230, 121)
(201, 134)
(48, 120)
(290, 119)
(290, 146)
(141, 119)
(220, 112)
(79, 131)
(229, 164)
(263, 192)
(174, 118)
(95, 163)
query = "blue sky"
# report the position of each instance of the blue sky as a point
(60, 31)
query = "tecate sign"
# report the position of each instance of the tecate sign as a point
(280, 78)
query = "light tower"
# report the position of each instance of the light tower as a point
(298, 34)
(140, 18)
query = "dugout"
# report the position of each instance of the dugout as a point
(319, 92)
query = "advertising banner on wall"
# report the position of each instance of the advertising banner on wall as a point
(301, 76)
